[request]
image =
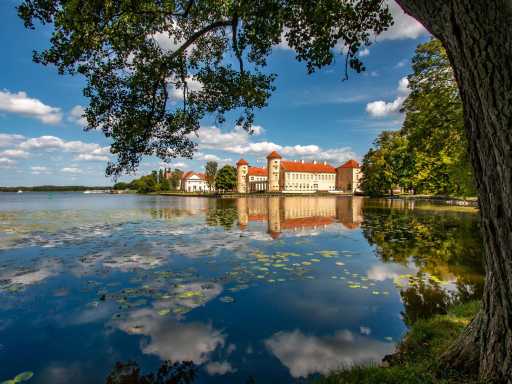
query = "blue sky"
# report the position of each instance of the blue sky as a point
(309, 117)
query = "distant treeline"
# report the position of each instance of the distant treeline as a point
(52, 188)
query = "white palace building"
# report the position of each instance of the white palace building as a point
(298, 176)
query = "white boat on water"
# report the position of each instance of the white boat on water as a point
(20, 191)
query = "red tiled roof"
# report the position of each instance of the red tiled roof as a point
(350, 164)
(242, 162)
(274, 155)
(255, 171)
(350, 225)
(304, 222)
(189, 174)
(258, 217)
(307, 167)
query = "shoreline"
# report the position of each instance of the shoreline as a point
(448, 200)
(416, 358)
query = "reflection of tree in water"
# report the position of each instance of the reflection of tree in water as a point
(439, 243)
(184, 372)
(424, 299)
(168, 373)
(221, 213)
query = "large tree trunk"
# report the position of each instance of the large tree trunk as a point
(477, 35)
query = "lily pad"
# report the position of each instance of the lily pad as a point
(227, 299)
(24, 376)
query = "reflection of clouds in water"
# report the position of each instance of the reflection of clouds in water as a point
(257, 235)
(381, 272)
(219, 368)
(63, 373)
(24, 276)
(304, 355)
(171, 340)
(130, 262)
(204, 241)
(92, 314)
(54, 237)
(189, 296)
(147, 256)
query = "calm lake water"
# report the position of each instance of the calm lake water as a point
(265, 290)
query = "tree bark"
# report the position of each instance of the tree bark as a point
(477, 35)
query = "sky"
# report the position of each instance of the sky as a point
(311, 117)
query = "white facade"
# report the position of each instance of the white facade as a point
(257, 183)
(297, 182)
(194, 183)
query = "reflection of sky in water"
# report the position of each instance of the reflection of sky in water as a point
(279, 289)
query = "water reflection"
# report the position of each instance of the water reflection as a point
(304, 354)
(300, 215)
(172, 340)
(277, 288)
(438, 243)
(167, 373)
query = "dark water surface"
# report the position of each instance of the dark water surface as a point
(265, 290)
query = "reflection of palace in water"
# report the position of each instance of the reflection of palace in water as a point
(295, 214)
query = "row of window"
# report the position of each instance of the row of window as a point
(310, 176)
(306, 187)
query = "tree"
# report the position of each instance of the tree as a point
(165, 185)
(112, 43)
(429, 154)
(387, 166)
(168, 373)
(175, 179)
(120, 186)
(226, 178)
(434, 126)
(211, 172)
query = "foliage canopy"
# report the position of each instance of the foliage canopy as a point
(430, 152)
(226, 178)
(155, 68)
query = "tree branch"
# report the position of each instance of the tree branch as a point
(238, 54)
(196, 35)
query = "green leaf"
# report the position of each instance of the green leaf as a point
(24, 376)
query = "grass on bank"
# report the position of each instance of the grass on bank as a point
(417, 358)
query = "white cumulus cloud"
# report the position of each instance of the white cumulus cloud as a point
(76, 115)
(20, 104)
(39, 169)
(193, 85)
(404, 27)
(6, 163)
(14, 154)
(381, 108)
(53, 143)
(238, 141)
(10, 140)
(364, 52)
(74, 170)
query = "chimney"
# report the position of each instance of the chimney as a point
(325, 162)
(314, 161)
(295, 160)
(302, 161)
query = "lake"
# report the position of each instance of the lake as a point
(100, 288)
